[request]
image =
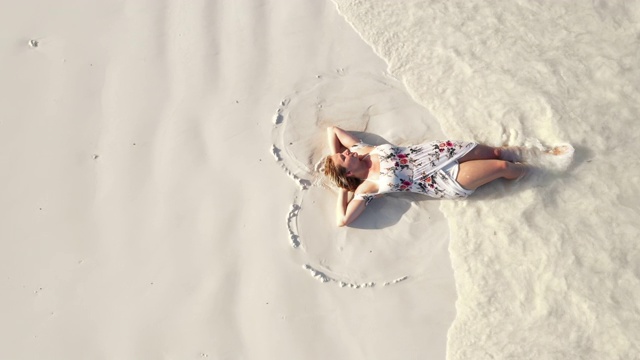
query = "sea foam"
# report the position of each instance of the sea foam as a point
(545, 268)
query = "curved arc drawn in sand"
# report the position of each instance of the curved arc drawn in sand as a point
(362, 102)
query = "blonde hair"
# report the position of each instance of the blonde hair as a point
(338, 175)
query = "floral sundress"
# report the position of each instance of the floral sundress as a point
(419, 168)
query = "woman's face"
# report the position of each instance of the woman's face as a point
(346, 159)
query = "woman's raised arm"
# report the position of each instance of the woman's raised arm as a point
(347, 211)
(339, 140)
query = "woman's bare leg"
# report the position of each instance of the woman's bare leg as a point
(481, 152)
(475, 173)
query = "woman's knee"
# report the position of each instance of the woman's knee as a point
(491, 152)
(505, 169)
(501, 169)
(500, 165)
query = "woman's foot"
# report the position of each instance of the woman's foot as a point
(561, 157)
(560, 150)
(557, 158)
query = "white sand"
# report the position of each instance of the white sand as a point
(143, 216)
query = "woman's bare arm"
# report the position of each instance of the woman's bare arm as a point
(341, 206)
(339, 139)
(347, 211)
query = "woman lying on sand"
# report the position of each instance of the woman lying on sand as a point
(440, 169)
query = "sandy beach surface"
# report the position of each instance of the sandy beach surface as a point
(144, 215)
(160, 194)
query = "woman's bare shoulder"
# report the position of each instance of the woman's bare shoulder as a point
(367, 187)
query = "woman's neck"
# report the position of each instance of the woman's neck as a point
(368, 167)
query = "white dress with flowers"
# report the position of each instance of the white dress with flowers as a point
(428, 168)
